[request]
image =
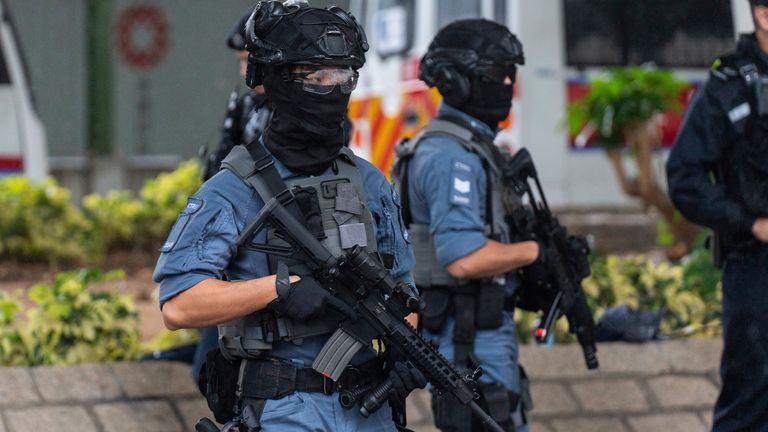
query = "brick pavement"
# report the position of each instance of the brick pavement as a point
(668, 386)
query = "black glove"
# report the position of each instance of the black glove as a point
(405, 378)
(307, 299)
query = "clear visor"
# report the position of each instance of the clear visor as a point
(323, 81)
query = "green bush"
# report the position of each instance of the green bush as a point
(164, 197)
(624, 97)
(114, 217)
(37, 222)
(688, 292)
(12, 349)
(69, 324)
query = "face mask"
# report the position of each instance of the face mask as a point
(305, 132)
(490, 102)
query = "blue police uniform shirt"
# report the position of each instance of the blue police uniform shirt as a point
(447, 191)
(201, 244)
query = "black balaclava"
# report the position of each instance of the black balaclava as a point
(488, 102)
(305, 132)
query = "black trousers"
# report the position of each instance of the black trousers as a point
(743, 401)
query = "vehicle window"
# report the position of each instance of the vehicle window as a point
(4, 77)
(394, 26)
(500, 11)
(452, 10)
(683, 33)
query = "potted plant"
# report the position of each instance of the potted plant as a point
(623, 109)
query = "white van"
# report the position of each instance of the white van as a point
(566, 42)
(22, 137)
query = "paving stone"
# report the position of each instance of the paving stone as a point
(706, 417)
(679, 391)
(536, 426)
(419, 408)
(680, 422)
(559, 361)
(58, 418)
(192, 410)
(76, 383)
(552, 398)
(160, 378)
(693, 355)
(588, 425)
(16, 387)
(138, 417)
(625, 358)
(2, 424)
(610, 395)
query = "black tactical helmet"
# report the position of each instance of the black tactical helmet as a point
(755, 3)
(236, 37)
(294, 33)
(464, 46)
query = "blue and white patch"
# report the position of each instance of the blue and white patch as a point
(461, 167)
(461, 183)
(193, 205)
(739, 113)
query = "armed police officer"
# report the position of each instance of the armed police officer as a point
(272, 325)
(452, 204)
(718, 177)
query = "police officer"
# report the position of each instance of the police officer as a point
(452, 204)
(724, 136)
(247, 113)
(272, 325)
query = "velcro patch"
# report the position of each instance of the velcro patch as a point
(739, 113)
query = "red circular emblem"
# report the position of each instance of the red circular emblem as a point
(142, 36)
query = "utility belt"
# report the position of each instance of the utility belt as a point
(272, 379)
(226, 383)
(482, 302)
(261, 380)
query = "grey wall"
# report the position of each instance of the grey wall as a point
(52, 37)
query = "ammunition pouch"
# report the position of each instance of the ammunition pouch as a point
(438, 304)
(218, 383)
(500, 403)
(483, 305)
(450, 414)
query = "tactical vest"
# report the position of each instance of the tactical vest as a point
(429, 272)
(475, 304)
(746, 167)
(335, 209)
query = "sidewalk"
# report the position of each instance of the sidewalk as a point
(669, 386)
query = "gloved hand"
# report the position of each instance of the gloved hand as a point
(405, 378)
(306, 299)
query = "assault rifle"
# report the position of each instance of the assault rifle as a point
(551, 285)
(380, 303)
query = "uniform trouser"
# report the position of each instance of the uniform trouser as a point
(496, 350)
(743, 401)
(309, 412)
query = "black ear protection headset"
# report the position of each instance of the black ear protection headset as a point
(261, 52)
(447, 69)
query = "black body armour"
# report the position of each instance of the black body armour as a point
(745, 171)
(335, 210)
